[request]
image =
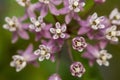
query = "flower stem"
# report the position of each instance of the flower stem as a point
(69, 51)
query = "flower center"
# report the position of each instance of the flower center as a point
(58, 31)
(75, 4)
(43, 52)
(79, 43)
(37, 24)
(19, 61)
(103, 57)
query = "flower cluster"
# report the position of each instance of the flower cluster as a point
(52, 36)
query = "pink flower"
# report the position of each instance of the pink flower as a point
(77, 69)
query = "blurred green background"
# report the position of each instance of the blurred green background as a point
(11, 8)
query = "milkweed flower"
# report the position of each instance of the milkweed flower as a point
(37, 25)
(115, 17)
(16, 27)
(46, 51)
(96, 22)
(112, 33)
(23, 58)
(79, 43)
(77, 69)
(100, 55)
(59, 31)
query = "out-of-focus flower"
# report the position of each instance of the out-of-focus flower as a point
(37, 25)
(24, 57)
(103, 57)
(23, 3)
(59, 31)
(43, 52)
(18, 62)
(76, 5)
(77, 69)
(112, 33)
(79, 43)
(95, 53)
(115, 17)
(92, 29)
(15, 26)
(55, 77)
(100, 1)
(46, 50)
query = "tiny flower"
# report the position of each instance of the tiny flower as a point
(103, 57)
(37, 25)
(77, 69)
(12, 24)
(59, 31)
(112, 33)
(79, 43)
(96, 22)
(55, 77)
(43, 52)
(76, 5)
(23, 2)
(115, 17)
(97, 53)
(19, 62)
(16, 27)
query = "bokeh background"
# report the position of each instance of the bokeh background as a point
(11, 8)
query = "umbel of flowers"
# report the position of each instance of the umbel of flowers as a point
(53, 36)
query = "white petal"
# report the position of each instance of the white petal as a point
(31, 26)
(113, 13)
(101, 26)
(94, 27)
(115, 39)
(94, 16)
(109, 56)
(41, 58)
(58, 25)
(99, 62)
(118, 33)
(114, 27)
(47, 56)
(106, 63)
(7, 19)
(37, 52)
(40, 19)
(42, 47)
(52, 30)
(38, 29)
(62, 35)
(33, 20)
(12, 64)
(77, 10)
(63, 28)
(43, 25)
(55, 36)
(5, 26)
